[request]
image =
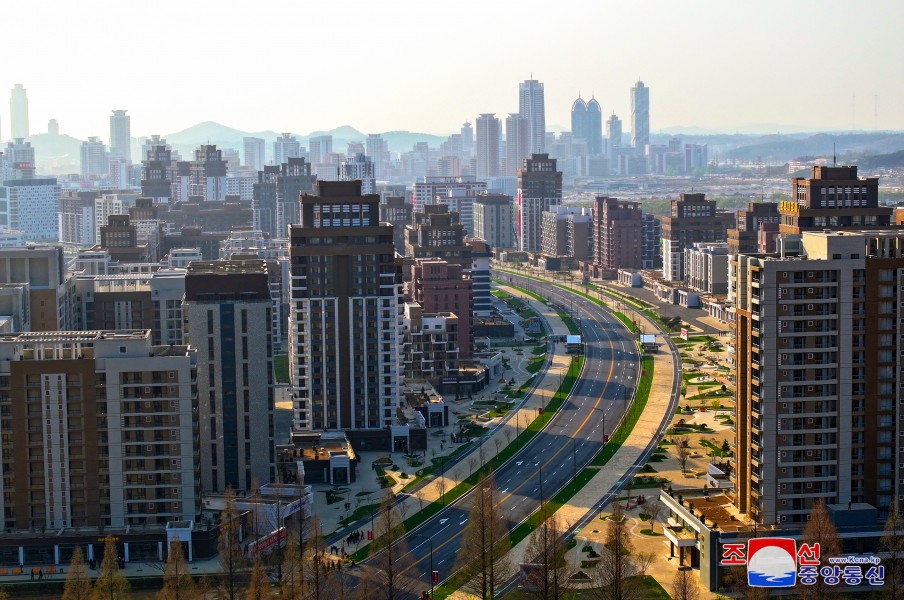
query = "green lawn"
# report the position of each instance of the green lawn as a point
(281, 368)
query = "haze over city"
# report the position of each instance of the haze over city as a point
(773, 66)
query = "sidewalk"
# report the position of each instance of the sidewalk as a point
(502, 435)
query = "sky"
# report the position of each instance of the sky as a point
(301, 65)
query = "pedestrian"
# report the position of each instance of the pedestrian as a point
(40, 574)
(32, 574)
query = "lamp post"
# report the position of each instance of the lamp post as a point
(430, 574)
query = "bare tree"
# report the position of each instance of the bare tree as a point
(643, 561)
(78, 580)
(291, 579)
(258, 585)
(684, 587)
(318, 578)
(682, 451)
(820, 530)
(546, 553)
(893, 543)
(616, 567)
(178, 583)
(391, 556)
(111, 584)
(485, 542)
(654, 509)
(232, 560)
(441, 485)
(472, 464)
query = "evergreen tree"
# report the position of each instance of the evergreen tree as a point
(78, 580)
(111, 584)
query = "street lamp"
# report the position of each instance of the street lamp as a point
(430, 540)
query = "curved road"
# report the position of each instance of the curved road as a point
(570, 441)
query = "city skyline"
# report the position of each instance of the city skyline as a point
(721, 82)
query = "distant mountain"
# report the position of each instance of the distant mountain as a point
(777, 148)
(883, 161)
(56, 154)
(187, 140)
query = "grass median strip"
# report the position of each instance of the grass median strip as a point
(618, 437)
(535, 426)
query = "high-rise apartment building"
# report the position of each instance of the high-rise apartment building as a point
(284, 148)
(587, 124)
(443, 287)
(431, 190)
(359, 167)
(20, 159)
(746, 234)
(397, 212)
(51, 288)
(437, 232)
(532, 105)
(517, 142)
(75, 218)
(487, 146)
(539, 189)
(614, 131)
(618, 235)
(253, 156)
(121, 135)
(346, 292)
(320, 146)
(229, 314)
(376, 148)
(30, 205)
(692, 219)
(819, 356)
(495, 220)
(467, 139)
(651, 254)
(104, 432)
(18, 112)
(276, 194)
(155, 170)
(207, 174)
(640, 117)
(95, 161)
(835, 197)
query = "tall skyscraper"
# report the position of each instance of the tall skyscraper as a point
(121, 135)
(320, 147)
(20, 159)
(18, 111)
(228, 309)
(467, 139)
(517, 142)
(532, 106)
(254, 153)
(539, 189)
(155, 170)
(344, 328)
(487, 146)
(284, 148)
(586, 124)
(375, 147)
(614, 132)
(53, 128)
(95, 161)
(640, 117)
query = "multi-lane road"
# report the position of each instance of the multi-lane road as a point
(572, 438)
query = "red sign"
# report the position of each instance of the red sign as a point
(540, 411)
(370, 534)
(436, 577)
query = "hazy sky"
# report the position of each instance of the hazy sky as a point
(429, 66)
